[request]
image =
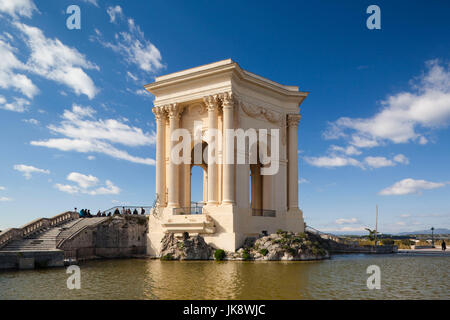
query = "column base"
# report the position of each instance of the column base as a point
(228, 203)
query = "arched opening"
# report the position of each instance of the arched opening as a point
(198, 175)
(198, 180)
(256, 188)
(262, 201)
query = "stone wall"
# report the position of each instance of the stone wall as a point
(31, 260)
(117, 237)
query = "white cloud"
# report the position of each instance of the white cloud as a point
(9, 78)
(5, 199)
(132, 76)
(303, 180)
(31, 121)
(400, 158)
(142, 92)
(83, 133)
(2, 188)
(114, 12)
(67, 188)
(29, 170)
(404, 115)
(347, 221)
(93, 2)
(349, 150)
(344, 229)
(82, 180)
(51, 59)
(132, 45)
(405, 215)
(333, 161)
(17, 8)
(19, 104)
(379, 162)
(110, 188)
(410, 186)
(86, 184)
(91, 158)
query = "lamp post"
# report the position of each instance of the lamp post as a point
(432, 237)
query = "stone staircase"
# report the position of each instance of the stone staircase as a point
(71, 230)
(48, 239)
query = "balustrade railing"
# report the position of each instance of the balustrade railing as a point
(264, 213)
(195, 208)
(330, 236)
(35, 226)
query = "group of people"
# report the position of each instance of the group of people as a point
(86, 213)
(127, 211)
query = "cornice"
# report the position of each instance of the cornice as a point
(223, 67)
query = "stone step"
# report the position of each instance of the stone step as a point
(47, 239)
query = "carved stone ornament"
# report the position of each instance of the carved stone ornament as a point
(173, 110)
(293, 119)
(159, 112)
(211, 102)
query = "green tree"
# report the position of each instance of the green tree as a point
(372, 234)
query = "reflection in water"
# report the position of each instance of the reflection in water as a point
(343, 277)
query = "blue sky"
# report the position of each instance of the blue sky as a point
(76, 128)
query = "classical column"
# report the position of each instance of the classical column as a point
(173, 110)
(228, 168)
(160, 117)
(293, 120)
(212, 105)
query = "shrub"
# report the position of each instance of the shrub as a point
(387, 242)
(246, 255)
(219, 255)
(167, 257)
(407, 242)
(264, 251)
(302, 235)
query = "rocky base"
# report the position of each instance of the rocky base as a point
(283, 246)
(280, 246)
(187, 248)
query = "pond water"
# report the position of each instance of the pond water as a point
(341, 277)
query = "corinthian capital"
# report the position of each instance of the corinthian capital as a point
(211, 102)
(173, 110)
(293, 119)
(227, 100)
(159, 112)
